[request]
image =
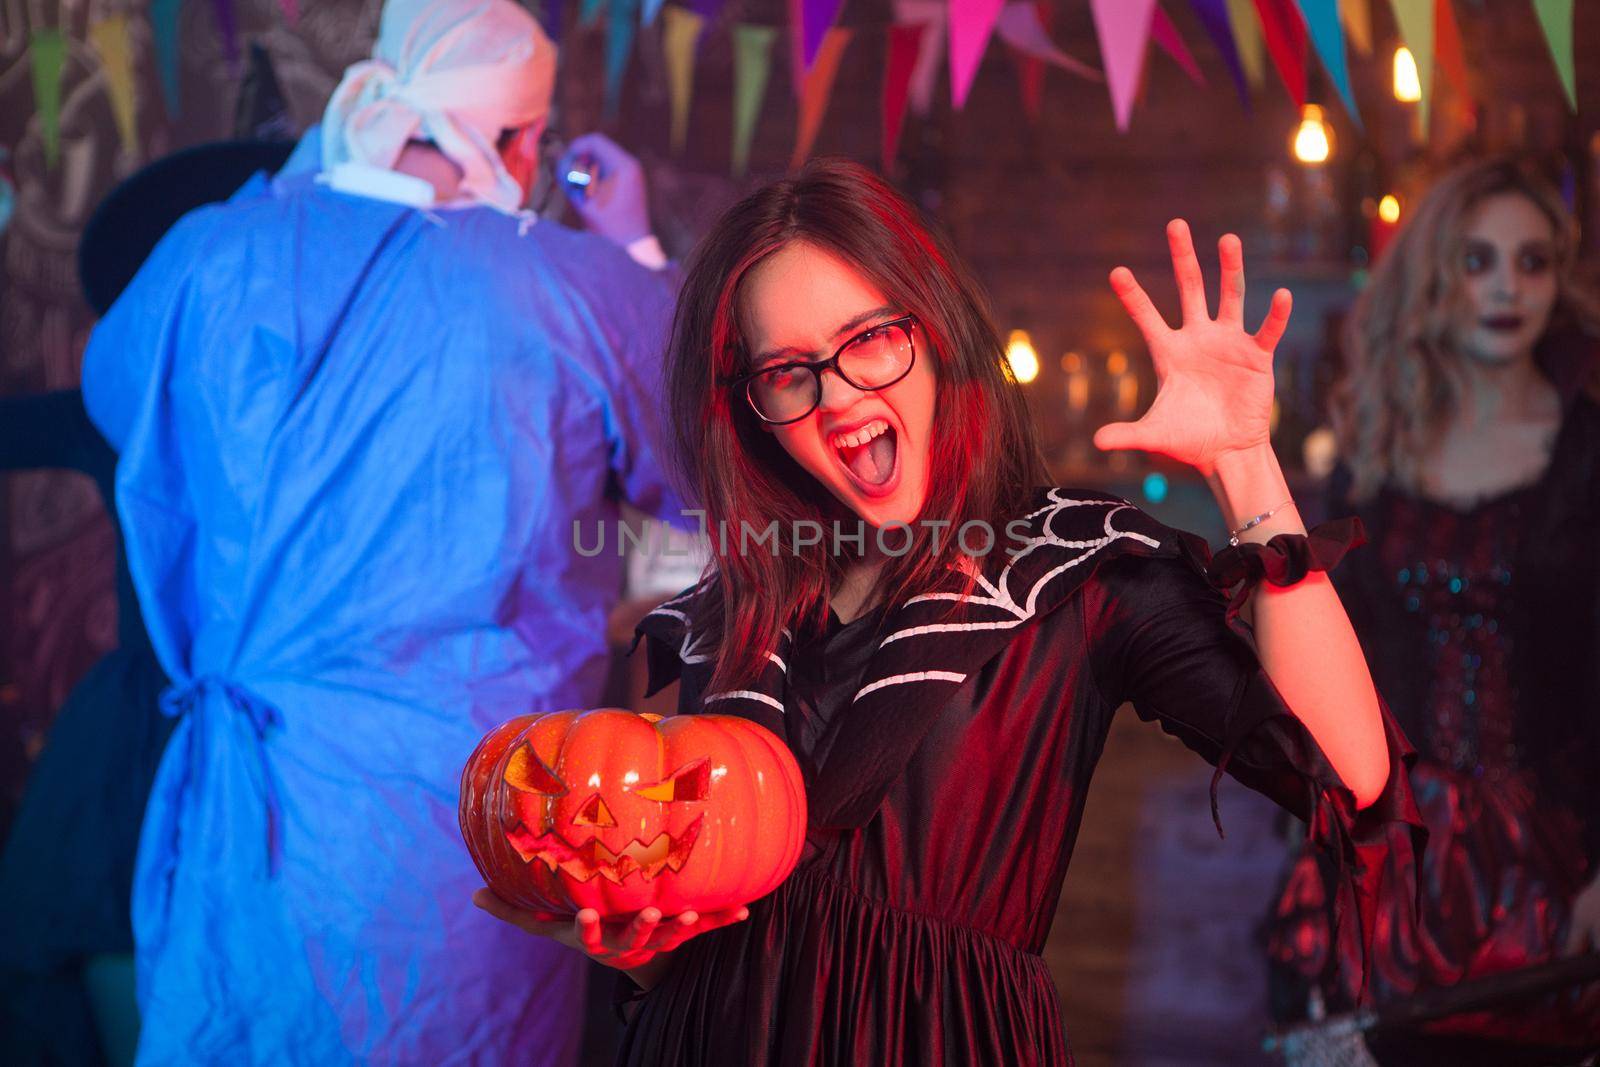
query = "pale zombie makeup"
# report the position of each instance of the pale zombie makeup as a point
(869, 448)
(1508, 279)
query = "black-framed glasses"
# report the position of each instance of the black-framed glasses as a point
(875, 358)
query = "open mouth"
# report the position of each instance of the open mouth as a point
(592, 858)
(1504, 323)
(870, 456)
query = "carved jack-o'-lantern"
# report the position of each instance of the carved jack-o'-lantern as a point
(616, 811)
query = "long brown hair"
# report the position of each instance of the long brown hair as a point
(984, 460)
(1402, 382)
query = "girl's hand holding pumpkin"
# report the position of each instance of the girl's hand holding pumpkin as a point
(623, 944)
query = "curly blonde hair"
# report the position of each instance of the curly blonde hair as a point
(1402, 380)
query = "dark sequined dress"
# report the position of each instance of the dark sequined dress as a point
(1480, 624)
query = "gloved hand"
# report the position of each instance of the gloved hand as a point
(615, 204)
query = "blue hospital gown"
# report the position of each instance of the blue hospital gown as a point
(354, 439)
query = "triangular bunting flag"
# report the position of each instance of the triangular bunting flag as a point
(1213, 15)
(109, 39)
(1247, 37)
(648, 13)
(590, 12)
(47, 53)
(1285, 33)
(752, 64)
(551, 14)
(620, 28)
(1123, 27)
(291, 11)
(1322, 22)
(1447, 48)
(164, 32)
(901, 60)
(1165, 34)
(816, 17)
(929, 14)
(1022, 26)
(817, 90)
(680, 31)
(228, 30)
(971, 23)
(1555, 19)
(1415, 18)
(1357, 18)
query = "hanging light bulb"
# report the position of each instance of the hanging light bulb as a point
(1022, 357)
(1407, 83)
(1313, 138)
(1389, 209)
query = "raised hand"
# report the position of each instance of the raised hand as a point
(1214, 391)
(623, 944)
(616, 205)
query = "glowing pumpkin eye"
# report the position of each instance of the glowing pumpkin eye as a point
(526, 772)
(691, 783)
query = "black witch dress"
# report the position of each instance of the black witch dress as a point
(947, 745)
(1482, 626)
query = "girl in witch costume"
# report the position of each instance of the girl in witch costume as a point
(946, 691)
(1468, 421)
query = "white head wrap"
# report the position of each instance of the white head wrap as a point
(454, 72)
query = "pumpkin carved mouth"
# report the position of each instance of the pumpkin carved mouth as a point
(592, 858)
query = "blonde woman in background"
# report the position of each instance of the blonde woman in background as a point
(1469, 437)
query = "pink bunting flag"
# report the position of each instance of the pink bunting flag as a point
(1123, 27)
(1022, 26)
(1165, 33)
(971, 23)
(1285, 34)
(930, 15)
(905, 41)
(291, 11)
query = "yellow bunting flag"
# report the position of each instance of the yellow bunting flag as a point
(1357, 18)
(1415, 18)
(109, 39)
(816, 90)
(680, 31)
(1247, 37)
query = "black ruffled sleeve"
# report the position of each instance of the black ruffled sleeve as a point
(1167, 637)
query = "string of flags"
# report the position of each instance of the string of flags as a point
(925, 38)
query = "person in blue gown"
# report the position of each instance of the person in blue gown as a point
(66, 870)
(359, 414)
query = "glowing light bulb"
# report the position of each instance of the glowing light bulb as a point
(1022, 357)
(1389, 209)
(1407, 83)
(1313, 140)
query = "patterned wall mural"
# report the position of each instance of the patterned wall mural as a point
(57, 604)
